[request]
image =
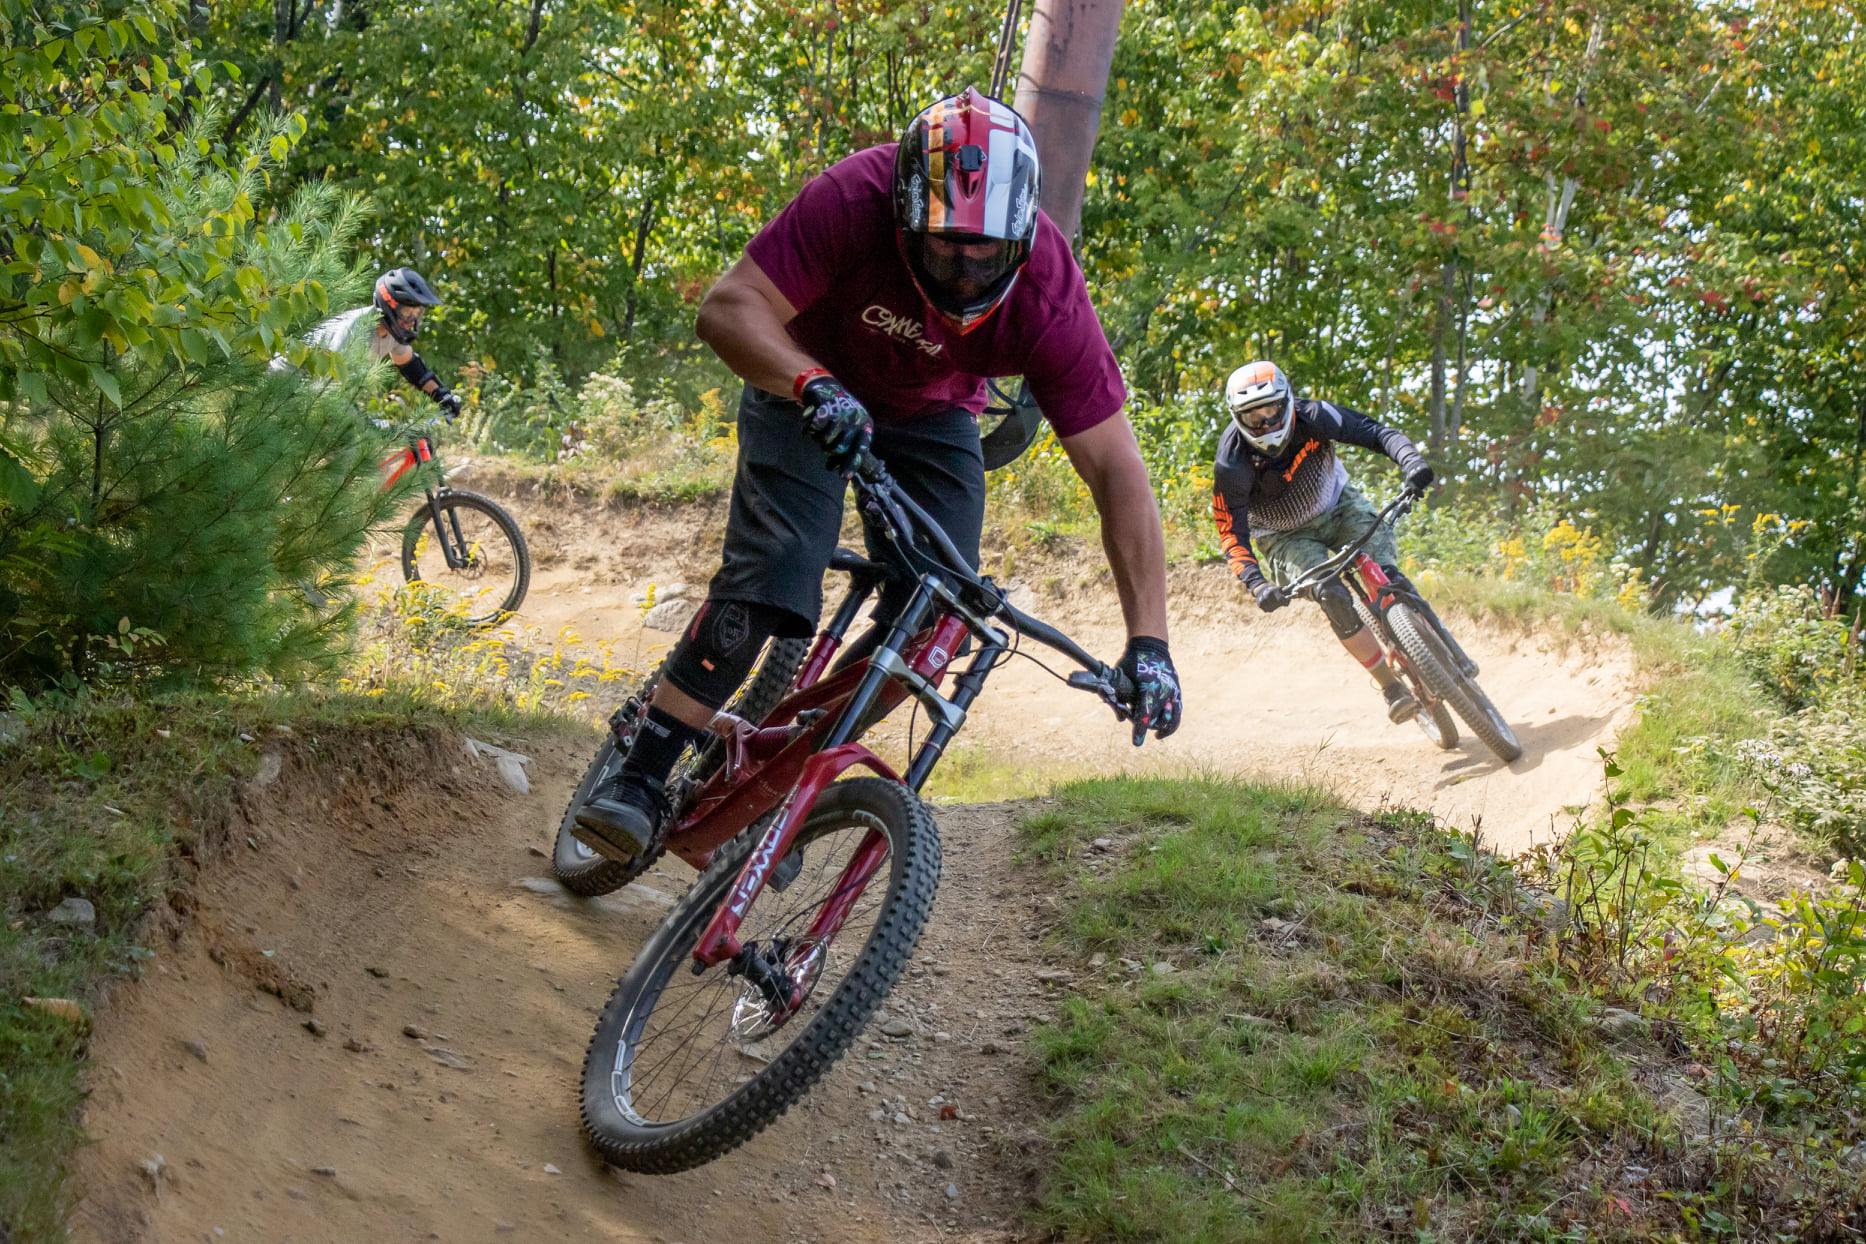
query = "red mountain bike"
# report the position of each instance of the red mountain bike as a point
(1415, 642)
(812, 892)
(458, 540)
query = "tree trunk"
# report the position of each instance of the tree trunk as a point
(1847, 576)
(1441, 319)
(1456, 421)
(642, 227)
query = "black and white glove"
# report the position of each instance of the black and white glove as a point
(448, 401)
(837, 422)
(1270, 597)
(1419, 476)
(1154, 703)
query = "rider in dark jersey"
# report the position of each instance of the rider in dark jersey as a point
(1278, 478)
(869, 312)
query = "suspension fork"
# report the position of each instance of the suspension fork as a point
(829, 639)
(454, 549)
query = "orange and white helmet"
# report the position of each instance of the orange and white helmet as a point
(1262, 405)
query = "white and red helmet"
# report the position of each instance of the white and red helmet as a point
(965, 204)
(1262, 405)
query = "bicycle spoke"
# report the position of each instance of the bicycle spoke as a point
(682, 1059)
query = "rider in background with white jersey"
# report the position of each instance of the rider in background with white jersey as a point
(401, 301)
(1279, 479)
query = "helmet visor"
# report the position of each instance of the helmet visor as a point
(960, 271)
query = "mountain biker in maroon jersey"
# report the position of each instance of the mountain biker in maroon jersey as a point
(869, 313)
(1278, 478)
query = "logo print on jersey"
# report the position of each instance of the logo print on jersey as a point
(899, 328)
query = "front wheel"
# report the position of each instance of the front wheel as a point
(1429, 656)
(468, 545)
(685, 1068)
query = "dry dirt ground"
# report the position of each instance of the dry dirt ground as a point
(401, 894)
(1272, 695)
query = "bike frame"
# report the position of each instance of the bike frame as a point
(1364, 577)
(419, 452)
(809, 739)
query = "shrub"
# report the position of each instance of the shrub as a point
(1774, 999)
(1536, 546)
(1794, 652)
(198, 494)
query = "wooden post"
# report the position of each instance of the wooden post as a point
(1067, 53)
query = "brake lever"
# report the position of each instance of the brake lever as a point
(1114, 688)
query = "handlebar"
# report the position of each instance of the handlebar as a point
(1318, 574)
(902, 518)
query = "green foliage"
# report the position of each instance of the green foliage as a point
(1792, 649)
(574, 175)
(1537, 546)
(1773, 998)
(184, 490)
(659, 448)
(108, 252)
(1814, 756)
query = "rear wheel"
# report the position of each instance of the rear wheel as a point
(494, 565)
(1429, 656)
(685, 1068)
(583, 871)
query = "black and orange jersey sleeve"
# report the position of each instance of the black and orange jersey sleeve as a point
(1234, 537)
(1233, 476)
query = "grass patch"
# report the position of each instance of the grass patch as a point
(1305, 1023)
(968, 773)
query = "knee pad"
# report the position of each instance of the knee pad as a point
(1338, 603)
(720, 647)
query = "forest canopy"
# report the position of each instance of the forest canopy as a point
(1604, 256)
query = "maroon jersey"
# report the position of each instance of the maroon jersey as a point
(833, 253)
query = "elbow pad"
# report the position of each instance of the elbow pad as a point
(416, 372)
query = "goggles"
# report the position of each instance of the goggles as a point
(1264, 417)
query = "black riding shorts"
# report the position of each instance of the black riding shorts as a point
(787, 504)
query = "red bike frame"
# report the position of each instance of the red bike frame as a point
(404, 460)
(783, 764)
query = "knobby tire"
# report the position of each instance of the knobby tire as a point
(911, 875)
(1434, 720)
(1430, 658)
(423, 523)
(586, 873)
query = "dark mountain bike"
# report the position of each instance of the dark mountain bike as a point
(1414, 641)
(812, 891)
(458, 540)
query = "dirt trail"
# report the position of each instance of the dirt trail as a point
(1266, 695)
(405, 888)
(387, 907)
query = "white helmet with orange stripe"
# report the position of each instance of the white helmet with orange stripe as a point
(1262, 405)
